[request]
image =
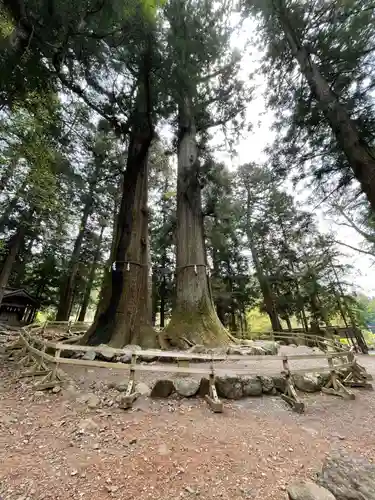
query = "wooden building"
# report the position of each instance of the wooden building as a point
(18, 307)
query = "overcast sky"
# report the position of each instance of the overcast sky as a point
(250, 148)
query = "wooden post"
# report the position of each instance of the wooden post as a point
(290, 395)
(130, 395)
(212, 399)
(334, 386)
(358, 377)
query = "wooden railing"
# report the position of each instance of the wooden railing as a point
(46, 357)
(299, 338)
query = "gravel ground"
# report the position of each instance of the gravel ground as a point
(52, 446)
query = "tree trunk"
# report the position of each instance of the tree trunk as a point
(265, 287)
(68, 285)
(163, 294)
(90, 281)
(360, 155)
(194, 316)
(13, 249)
(289, 324)
(126, 319)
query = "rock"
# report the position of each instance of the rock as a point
(93, 401)
(257, 351)
(105, 352)
(269, 346)
(229, 387)
(267, 384)
(38, 394)
(307, 490)
(162, 389)
(309, 382)
(56, 389)
(348, 478)
(186, 387)
(87, 425)
(124, 358)
(123, 402)
(121, 387)
(279, 382)
(198, 349)
(89, 356)
(251, 386)
(143, 389)
(236, 351)
(204, 387)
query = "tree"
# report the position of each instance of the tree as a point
(203, 72)
(328, 123)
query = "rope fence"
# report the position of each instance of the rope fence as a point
(44, 358)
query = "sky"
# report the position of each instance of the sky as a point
(250, 148)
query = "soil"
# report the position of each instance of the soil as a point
(54, 446)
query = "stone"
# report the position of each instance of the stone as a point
(236, 351)
(87, 425)
(93, 401)
(105, 352)
(204, 387)
(186, 387)
(307, 490)
(198, 349)
(121, 387)
(89, 356)
(267, 384)
(162, 389)
(270, 347)
(229, 387)
(124, 358)
(143, 389)
(257, 351)
(38, 394)
(56, 389)
(123, 402)
(309, 382)
(251, 386)
(279, 382)
(348, 478)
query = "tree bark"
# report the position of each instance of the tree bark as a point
(360, 155)
(194, 316)
(68, 285)
(13, 249)
(90, 281)
(268, 298)
(126, 319)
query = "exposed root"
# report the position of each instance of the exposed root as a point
(196, 327)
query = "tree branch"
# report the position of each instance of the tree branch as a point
(354, 248)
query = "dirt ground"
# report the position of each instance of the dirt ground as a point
(53, 446)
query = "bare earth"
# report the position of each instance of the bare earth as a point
(52, 446)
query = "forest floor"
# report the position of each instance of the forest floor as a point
(53, 446)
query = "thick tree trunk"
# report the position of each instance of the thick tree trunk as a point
(126, 319)
(90, 281)
(13, 249)
(194, 316)
(360, 155)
